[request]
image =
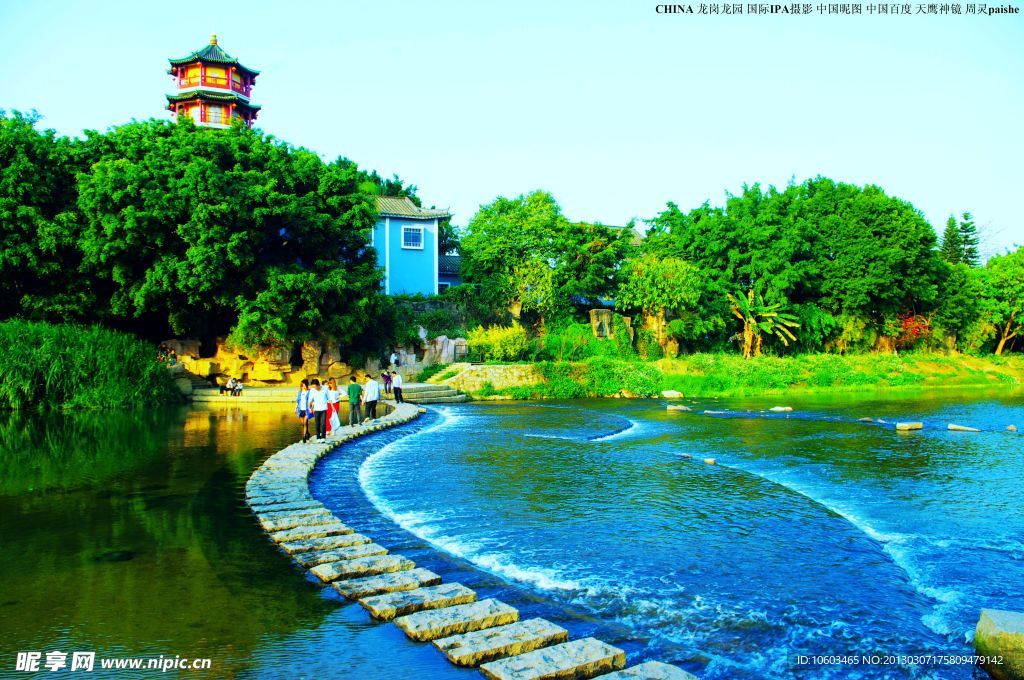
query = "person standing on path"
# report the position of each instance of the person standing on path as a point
(333, 420)
(318, 398)
(355, 392)
(385, 379)
(371, 395)
(302, 408)
(394, 359)
(396, 385)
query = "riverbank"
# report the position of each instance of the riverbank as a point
(726, 375)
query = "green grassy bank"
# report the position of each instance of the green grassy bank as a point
(723, 375)
(46, 365)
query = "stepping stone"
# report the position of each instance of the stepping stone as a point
(306, 532)
(311, 559)
(781, 409)
(389, 605)
(266, 500)
(311, 504)
(464, 618)
(652, 670)
(961, 428)
(356, 588)
(274, 513)
(906, 427)
(361, 566)
(325, 543)
(292, 521)
(473, 649)
(582, 658)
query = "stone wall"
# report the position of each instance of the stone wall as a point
(472, 377)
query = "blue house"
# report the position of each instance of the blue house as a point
(406, 240)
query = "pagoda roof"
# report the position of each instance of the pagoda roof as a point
(395, 206)
(209, 95)
(212, 54)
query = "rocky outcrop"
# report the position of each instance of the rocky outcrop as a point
(672, 394)
(472, 378)
(1001, 634)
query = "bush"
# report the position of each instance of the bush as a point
(429, 372)
(70, 366)
(498, 343)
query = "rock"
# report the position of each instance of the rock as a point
(297, 520)
(714, 413)
(1001, 634)
(389, 605)
(709, 461)
(365, 586)
(961, 428)
(311, 559)
(1011, 428)
(325, 543)
(464, 618)
(184, 386)
(361, 566)
(602, 323)
(303, 533)
(265, 372)
(187, 347)
(204, 368)
(906, 427)
(310, 358)
(865, 420)
(339, 369)
(652, 670)
(582, 658)
(481, 646)
(672, 394)
(781, 409)
(678, 407)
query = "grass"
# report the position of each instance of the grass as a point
(723, 375)
(46, 366)
(428, 372)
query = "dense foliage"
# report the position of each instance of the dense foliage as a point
(168, 228)
(44, 366)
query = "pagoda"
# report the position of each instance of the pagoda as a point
(213, 88)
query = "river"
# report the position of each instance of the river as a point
(127, 534)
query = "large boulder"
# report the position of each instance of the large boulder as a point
(671, 394)
(264, 371)
(187, 347)
(1001, 634)
(184, 386)
(204, 368)
(311, 358)
(339, 369)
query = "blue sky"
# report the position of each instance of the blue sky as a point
(612, 107)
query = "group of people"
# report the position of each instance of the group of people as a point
(321, 403)
(233, 387)
(166, 354)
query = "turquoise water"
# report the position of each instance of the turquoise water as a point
(814, 534)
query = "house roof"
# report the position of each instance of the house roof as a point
(449, 264)
(212, 54)
(395, 206)
(209, 95)
(636, 237)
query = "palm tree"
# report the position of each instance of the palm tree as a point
(760, 319)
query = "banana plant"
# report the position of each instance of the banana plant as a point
(760, 320)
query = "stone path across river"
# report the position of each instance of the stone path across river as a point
(485, 633)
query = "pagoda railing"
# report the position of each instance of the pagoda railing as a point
(213, 81)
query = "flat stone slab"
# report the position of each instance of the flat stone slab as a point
(464, 618)
(651, 670)
(274, 513)
(481, 646)
(906, 427)
(311, 559)
(389, 605)
(961, 428)
(583, 658)
(267, 500)
(393, 582)
(361, 566)
(325, 543)
(292, 521)
(261, 508)
(1000, 633)
(312, 531)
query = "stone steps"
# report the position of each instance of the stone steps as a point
(312, 559)
(583, 658)
(303, 533)
(392, 582)
(361, 566)
(426, 626)
(389, 605)
(325, 543)
(651, 670)
(281, 522)
(489, 644)
(447, 399)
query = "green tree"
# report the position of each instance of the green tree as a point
(961, 297)
(1004, 308)
(952, 250)
(969, 240)
(207, 231)
(511, 237)
(659, 285)
(759, 320)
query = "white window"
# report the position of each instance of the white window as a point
(412, 238)
(442, 286)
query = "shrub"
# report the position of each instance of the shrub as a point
(428, 372)
(66, 365)
(498, 343)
